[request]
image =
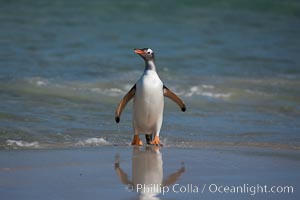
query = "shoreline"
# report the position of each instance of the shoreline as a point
(101, 142)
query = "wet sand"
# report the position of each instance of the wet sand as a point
(123, 172)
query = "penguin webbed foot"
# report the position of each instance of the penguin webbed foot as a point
(137, 141)
(156, 141)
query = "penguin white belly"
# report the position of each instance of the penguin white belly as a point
(148, 104)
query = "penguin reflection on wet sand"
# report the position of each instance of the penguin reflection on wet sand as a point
(147, 173)
(148, 101)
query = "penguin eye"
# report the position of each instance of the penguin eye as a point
(148, 52)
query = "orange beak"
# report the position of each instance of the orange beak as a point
(139, 51)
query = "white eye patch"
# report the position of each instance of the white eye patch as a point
(149, 51)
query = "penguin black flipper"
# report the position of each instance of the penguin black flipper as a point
(168, 93)
(123, 103)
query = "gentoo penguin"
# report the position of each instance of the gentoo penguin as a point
(148, 101)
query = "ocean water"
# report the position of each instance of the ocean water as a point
(64, 66)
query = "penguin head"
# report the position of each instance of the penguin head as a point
(146, 53)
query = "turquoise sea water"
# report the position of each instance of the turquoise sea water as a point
(64, 66)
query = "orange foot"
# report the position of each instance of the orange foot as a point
(156, 141)
(137, 141)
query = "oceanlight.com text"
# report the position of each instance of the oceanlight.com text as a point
(250, 189)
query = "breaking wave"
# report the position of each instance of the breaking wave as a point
(92, 142)
(83, 89)
(207, 91)
(22, 144)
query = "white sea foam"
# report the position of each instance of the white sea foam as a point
(206, 90)
(74, 88)
(41, 83)
(115, 90)
(38, 81)
(23, 144)
(208, 86)
(216, 95)
(92, 142)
